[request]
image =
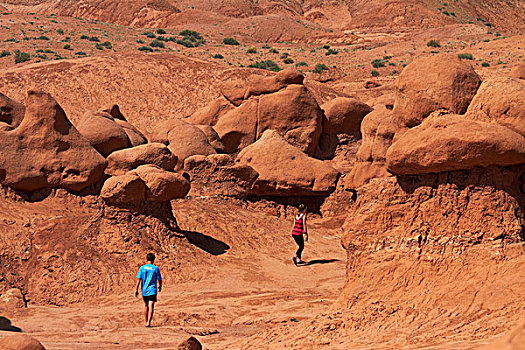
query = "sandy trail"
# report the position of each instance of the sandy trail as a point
(243, 291)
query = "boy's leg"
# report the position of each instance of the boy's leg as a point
(146, 311)
(150, 315)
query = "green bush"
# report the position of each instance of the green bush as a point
(105, 44)
(157, 43)
(374, 73)
(301, 64)
(140, 41)
(319, 68)
(67, 47)
(42, 37)
(465, 56)
(145, 49)
(161, 31)
(21, 56)
(80, 53)
(5, 53)
(326, 46)
(94, 38)
(378, 62)
(149, 35)
(190, 38)
(251, 50)
(331, 52)
(272, 50)
(84, 37)
(433, 43)
(288, 61)
(268, 64)
(230, 41)
(60, 31)
(218, 56)
(485, 64)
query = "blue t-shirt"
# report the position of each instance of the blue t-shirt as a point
(149, 274)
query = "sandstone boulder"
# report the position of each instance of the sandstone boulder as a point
(102, 132)
(134, 135)
(237, 128)
(518, 71)
(288, 171)
(162, 185)
(12, 299)
(233, 91)
(183, 139)
(502, 101)
(11, 112)
(217, 174)
(190, 344)
(20, 342)
(123, 189)
(258, 85)
(430, 83)
(213, 138)
(294, 113)
(122, 161)
(452, 142)
(46, 151)
(344, 115)
(378, 130)
(210, 114)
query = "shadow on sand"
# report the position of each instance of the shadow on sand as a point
(319, 261)
(5, 325)
(206, 243)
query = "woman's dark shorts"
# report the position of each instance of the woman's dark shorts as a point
(150, 298)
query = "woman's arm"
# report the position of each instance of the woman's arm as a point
(305, 228)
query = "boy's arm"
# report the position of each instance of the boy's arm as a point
(137, 288)
(160, 286)
(159, 279)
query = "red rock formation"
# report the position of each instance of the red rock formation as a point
(190, 344)
(46, 150)
(162, 185)
(289, 172)
(431, 83)
(452, 142)
(20, 342)
(120, 162)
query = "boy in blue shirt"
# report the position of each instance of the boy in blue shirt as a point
(148, 276)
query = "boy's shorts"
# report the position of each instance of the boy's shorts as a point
(150, 298)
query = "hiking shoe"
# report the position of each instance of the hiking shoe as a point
(294, 260)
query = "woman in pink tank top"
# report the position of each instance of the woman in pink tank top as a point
(298, 230)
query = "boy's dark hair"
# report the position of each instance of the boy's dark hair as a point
(150, 257)
(302, 207)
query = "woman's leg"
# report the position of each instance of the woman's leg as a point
(300, 242)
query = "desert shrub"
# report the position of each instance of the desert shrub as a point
(5, 53)
(157, 43)
(374, 73)
(378, 62)
(60, 31)
(140, 41)
(266, 46)
(301, 64)
(288, 61)
(268, 64)
(326, 46)
(319, 68)
(230, 41)
(190, 38)
(485, 64)
(67, 39)
(105, 44)
(145, 49)
(161, 31)
(149, 35)
(21, 56)
(42, 37)
(11, 40)
(465, 56)
(84, 37)
(272, 50)
(218, 56)
(251, 50)
(433, 43)
(94, 38)
(67, 47)
(331, 52)
(80, 53)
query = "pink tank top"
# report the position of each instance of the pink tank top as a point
(298, 228)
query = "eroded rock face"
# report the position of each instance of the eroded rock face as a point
(20, 342)
(162, 185)
(183, 139)
(344, 115)
(237, 128)
(452, 142)
(378, 130)
(501, 101)
(102, 132)
(217, 174)
(431, 83)
(46, 151)
(288, 172)
(210, 114)
(190, 344)
(11, 112)
(124, 189)
(518, 71)
(120, 162)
